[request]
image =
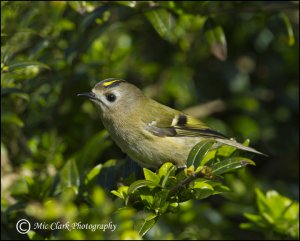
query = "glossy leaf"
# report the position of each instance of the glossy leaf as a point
(147, 197)
(277, 212)
(151, 176)
(69, 176)
(230, 164)
(256, 219)
(147, 224)
(225, 151)
(161, 20)
(160, 203)
(216, 39)
(289, 29)
(138, 184)
(202, 190)
(93, 173)
(219, 187)
(198, 152)
(164, 169)
(165, 172)
(25, 64)
(121, 192)
(274, 204)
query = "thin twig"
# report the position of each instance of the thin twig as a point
(188, 180)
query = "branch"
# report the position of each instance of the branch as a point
(205, 173)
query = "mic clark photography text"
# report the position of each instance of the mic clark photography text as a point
(76, 225)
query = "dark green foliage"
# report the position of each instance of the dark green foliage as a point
(276, 213)
(58, 164)
(165, 190)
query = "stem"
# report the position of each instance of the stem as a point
(188, 180)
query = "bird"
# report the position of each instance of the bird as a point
(149, 132)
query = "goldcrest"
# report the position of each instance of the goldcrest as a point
(148, 132)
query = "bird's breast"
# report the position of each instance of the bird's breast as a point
(147, 149)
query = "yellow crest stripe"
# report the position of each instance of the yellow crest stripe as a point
(105, 84)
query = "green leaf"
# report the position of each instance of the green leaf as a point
(268, 217)
(11, 118)
(174, 207)
(162, 20)
(138, 184)
(230, 164)
(202, 189)
(216, 39)
(151, 176)
(225, 150)
(116, 193)
(147, 224)
(274, 205)
(257, 219)
(25, 64)
(93, 173)
(209, 156)
(277, 212)
(69, 176)
(121, 193)
(164, 169)
(165, 172)
(253, 217)
(261, 201)
(247, 226)
(147, 197)
(198, 152)
(289, 28)
(160, 203)
(219, 188)
(199, 183)
(291, 211)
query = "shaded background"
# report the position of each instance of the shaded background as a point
(236, 64)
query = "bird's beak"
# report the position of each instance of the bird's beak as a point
(90, 95)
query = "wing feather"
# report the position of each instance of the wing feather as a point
(185, 126)
(182, 126)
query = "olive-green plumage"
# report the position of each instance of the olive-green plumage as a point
(149, 132)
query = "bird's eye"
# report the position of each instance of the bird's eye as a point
(110, 97)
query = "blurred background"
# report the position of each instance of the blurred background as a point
(233, 64)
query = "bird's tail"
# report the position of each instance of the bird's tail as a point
(231, 142)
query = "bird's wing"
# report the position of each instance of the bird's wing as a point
(181, 125)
